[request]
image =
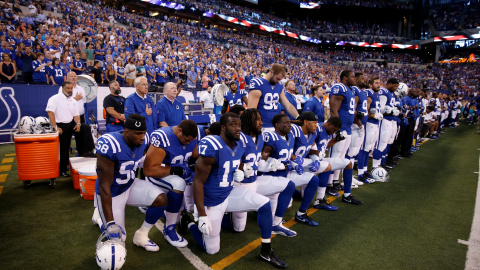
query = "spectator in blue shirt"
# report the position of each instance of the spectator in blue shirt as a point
(77, 65)
(191, 78)
(169, 109)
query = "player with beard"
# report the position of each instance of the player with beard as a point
(266, 93)
(234, 97)
(216, 168)
(371, 130)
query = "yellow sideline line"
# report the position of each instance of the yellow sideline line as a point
(10, 155)
(5, 168)
(257, 242)
(7, 160)
(3, 177)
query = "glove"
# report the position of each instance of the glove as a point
(298, 160)
(314, 166)
(395, 111)
(339, 136)
(238, 176)
(248, 170)
(378, 116)
(387, 110)
(321, 155)
(114, 231)
(189, 180)
(359, 114)
(204, 225)
(186, 171)
(299, 169)
(373, 110)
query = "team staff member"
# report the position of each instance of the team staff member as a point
(78, 94)
(114, 106)
(169, 111)
(315, 103)
(63, 113)
(290, 92)
(139, 103)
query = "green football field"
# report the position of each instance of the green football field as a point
(412, 222)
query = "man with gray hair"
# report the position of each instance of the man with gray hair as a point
(140, 103)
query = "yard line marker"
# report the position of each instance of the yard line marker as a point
(473, 253)
(460, 241)
(5, 168)
(3, 177)
(10, 155)
(192, 258)
(8, 160)
(257, 242)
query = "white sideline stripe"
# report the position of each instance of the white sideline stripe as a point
(192, 258)
(460, 241)
(473, 253)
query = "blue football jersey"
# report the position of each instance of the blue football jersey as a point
(176, 153)
(201, 132)
(219, 183)
(282, 149)
(390, 101)
(375, 104)
(362, 104)
(347, 109)
(322, 138)
(268, 104)
(303, 143)
(235, 99)
(253, 154)
(126, 160)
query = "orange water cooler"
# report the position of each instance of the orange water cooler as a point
(38, 157)
(88, 177)
(76, 163)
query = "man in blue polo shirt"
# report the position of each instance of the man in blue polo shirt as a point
(290, 92)
(140, 103)
(315, 103)
(170, 110)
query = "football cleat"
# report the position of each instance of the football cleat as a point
(351, 199)
(173, 237)
(304, 218)
(323, 204)
(332, 192)
(142, 240)
(352, 186)
(356, 182)
(282, 230)
(365, 179)
(337, 186)
(387, 166)
(272, 258)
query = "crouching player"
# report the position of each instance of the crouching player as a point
(325, 139)
(118, 157)
(166, 166)
(214, 194)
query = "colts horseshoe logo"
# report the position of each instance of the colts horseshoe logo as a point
(7, 96)
(137, 124)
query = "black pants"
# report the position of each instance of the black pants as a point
(27, 77)
(408, 138)
(83, 138)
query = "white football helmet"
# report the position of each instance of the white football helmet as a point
(402, 90)
(40, 123)
(379, 174)
(26, 125)
(110, 255)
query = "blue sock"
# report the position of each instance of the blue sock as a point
(347, 180)
(198, 236)
(309, 193)
(323, 179)
(377, 154)
(361, 160)
(284, 199)
(227, 221)
(265, 220)
(365, 164)
(154, 213)
(175, 201)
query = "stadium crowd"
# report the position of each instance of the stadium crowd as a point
(459, 15)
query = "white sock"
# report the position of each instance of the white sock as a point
(277, 220)
(170, 218)
(145, 228)
(321, 192)
(346, 194)
(300, 213)
(268, 240)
